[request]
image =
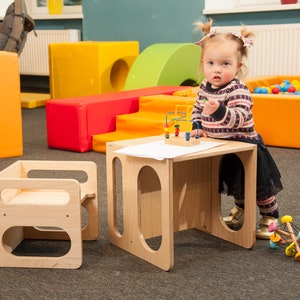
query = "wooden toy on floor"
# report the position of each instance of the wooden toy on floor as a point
(286, 235)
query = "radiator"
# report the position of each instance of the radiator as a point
(276, 49)
(34, 59)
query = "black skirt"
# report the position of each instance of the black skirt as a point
(231, 179)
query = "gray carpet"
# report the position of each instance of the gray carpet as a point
(205, 267)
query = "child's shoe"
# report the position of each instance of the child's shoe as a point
(236, 218)
(262, 232)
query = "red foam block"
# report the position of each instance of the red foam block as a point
(71, 122)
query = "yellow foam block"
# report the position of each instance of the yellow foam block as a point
(11, 140)
(89, 68)
(33, 100)
(148, 121)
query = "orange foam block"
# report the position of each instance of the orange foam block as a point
(90, 67)
(71, 122)
(274, 115)
(11, 139)
(148, 121)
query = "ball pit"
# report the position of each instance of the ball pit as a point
(275, 110)
(291, 87)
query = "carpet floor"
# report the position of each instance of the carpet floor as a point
(205, 267)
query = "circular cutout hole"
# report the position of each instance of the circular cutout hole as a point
(118, 75)
(150, 203)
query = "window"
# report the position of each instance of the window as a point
(238, 6)
(38, 9)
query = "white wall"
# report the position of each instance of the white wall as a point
(222, 4)
(3, 6)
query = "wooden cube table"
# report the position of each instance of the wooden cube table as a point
(160, 197)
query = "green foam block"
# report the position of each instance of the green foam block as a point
(165, 64)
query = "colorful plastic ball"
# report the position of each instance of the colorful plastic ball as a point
(275, 90)
(286, 87)
(291, 89)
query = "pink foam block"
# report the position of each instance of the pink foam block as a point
(71, 122)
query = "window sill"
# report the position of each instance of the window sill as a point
(247, 9)
(56, 17)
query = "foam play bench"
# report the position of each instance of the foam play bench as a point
(71, 122)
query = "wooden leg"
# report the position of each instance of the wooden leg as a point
(136, 189)
(245, 237)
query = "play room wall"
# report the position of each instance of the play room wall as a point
(152, 22)
(162, 21)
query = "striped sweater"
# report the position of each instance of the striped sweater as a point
(233, 119)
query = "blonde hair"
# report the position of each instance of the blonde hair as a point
(243, 41)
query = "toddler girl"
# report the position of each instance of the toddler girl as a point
(223, 110)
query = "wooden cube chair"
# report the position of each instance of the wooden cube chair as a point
(42, 207)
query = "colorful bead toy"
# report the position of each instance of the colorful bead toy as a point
(172, 119)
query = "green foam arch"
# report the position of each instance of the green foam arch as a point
(165, 64)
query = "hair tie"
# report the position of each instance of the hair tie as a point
(210, 34)
(247, 41)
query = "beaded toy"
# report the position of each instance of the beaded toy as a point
(180, 116)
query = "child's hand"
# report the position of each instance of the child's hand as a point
(210, 106)
(201, 132)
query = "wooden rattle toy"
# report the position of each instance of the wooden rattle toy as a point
(286, 235)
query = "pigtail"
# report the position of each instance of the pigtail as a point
(203, 27)
(246, 33)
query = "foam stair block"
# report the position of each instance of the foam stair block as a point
(165, 64)
(147, 122)
(150, 122)
(71, 122)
